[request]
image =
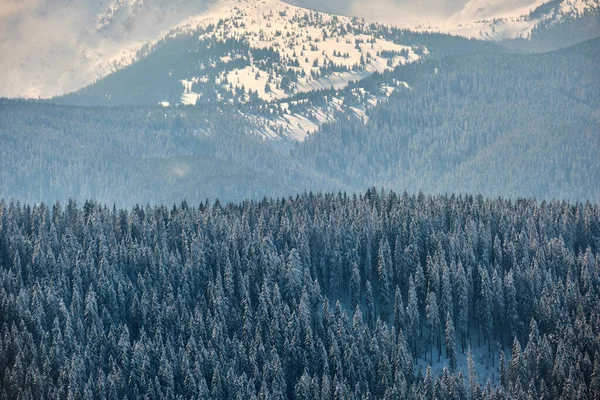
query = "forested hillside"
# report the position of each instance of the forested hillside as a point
(139, 154)
(496, 124)
(293, 51)
(510, 125)
(318, 296)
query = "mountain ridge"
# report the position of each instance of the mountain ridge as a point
(78, 42)
(533, 117)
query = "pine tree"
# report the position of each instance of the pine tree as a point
(433, 322)
(355, 284)
(303, 390)
(429, 383)
(463, 305)
(446, 294)
(412, 315)
(384, 265)
(485, 308)
(595, 378)
(450, 342)
(503, 372)
(474, 388)
(399, 317)
(498, 313)
(515, 371)
(370, 305)
(510, 300)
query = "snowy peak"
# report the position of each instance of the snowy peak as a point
(480, 19)
(50, 48)
(285, 67)
(290, 50)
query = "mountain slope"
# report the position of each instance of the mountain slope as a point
(496, 124)
(50, 48)
(134, 155)
(481, 19)
(253, 50)
(558, 28)
(510, 125)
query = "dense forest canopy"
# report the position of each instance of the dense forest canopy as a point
(317, 296)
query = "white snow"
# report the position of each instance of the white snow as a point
(299, 36)
(49, 51)
(485, 367)
(251, 78)
(482, 19)
(298, 122)
(190, 99)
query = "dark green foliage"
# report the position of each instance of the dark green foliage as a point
(508, 125)
(237, 301)
(138, 154)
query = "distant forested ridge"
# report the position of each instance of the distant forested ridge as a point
(319, 296)
(510, 125)
(139, 155)
(499, 125)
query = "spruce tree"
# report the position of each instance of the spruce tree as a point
(450, 342)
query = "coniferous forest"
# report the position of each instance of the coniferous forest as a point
(510, 125)
(251, 200)
(319, 296)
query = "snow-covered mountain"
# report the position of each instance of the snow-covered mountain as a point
(268, 54)
(480, 19)
(51, 47)
(306, 50)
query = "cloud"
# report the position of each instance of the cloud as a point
(32, 37)
(14, 8)
(332, 6)
(49, 47)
